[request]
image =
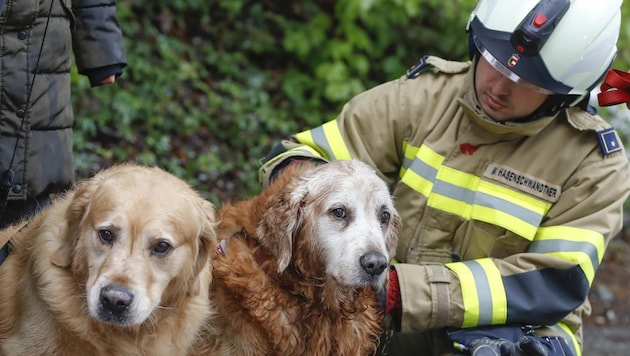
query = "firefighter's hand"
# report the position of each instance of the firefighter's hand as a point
(527, 346)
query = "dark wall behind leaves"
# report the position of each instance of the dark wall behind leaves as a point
(212, 85)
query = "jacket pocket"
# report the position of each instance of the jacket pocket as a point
(478, 239)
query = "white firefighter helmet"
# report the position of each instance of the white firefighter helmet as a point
(560, 46)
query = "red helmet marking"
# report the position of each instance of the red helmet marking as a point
(513, 60)
(539, 20)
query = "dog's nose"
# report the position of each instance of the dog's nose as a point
(115, 299)
(373, 263)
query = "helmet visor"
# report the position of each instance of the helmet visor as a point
(499, 67)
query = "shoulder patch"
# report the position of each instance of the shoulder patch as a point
(608, 141)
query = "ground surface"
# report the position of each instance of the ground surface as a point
(607, 330)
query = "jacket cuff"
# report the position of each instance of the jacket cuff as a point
(427, 296)
(97, 75)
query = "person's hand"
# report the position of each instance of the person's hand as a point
(109, 80)
(527, 346)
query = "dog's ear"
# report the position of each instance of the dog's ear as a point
(79, 200)
(207, 238)
(279, 225)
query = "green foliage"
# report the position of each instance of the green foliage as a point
(212, 85)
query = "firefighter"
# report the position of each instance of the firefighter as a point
(509, 184)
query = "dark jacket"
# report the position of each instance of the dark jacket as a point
(42, 127)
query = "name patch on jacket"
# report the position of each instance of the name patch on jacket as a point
(523, 182)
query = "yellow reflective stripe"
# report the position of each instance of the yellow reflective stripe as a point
(499, 298)
(579, 259)
(305, 151)
(506, 220)
(306, 138)
(580, 246)
(409, 154)
(430, 157)
(513, 223)
(572, 341)
(469, 293)
(420, 173)
(315, 139)
(417, 182)
(450, 205)
(471, 197)
(453, 205)
(484, 213)
(485, 301)
(327, 140)
(333, 134)
(524, 200)
(574, 234)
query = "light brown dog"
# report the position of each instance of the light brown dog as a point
(117, 266)
(301, 262)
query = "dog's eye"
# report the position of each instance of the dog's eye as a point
(339, 213)
(106, 236)
(161, 248)
(385, 216)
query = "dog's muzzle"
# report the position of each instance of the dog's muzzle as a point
(114, 304)
(373, 263)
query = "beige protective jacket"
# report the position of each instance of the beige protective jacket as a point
(503, 223)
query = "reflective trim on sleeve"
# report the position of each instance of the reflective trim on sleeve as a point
(420, 174)
(485, 302)
(582, 247)
(569, 337)
(471, 197)
(327, 140)
(304, 151)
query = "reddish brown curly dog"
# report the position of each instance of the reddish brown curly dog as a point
(301, 263)
(117, 266)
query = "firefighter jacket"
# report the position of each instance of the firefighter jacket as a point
(503, 223)
(37, 40)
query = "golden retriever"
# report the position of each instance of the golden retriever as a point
(119, 265)
(299, 264)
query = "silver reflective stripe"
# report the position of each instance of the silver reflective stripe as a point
(472, 197)
(484, 294)
(423, 170)
(551, 246)
(319, 137)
